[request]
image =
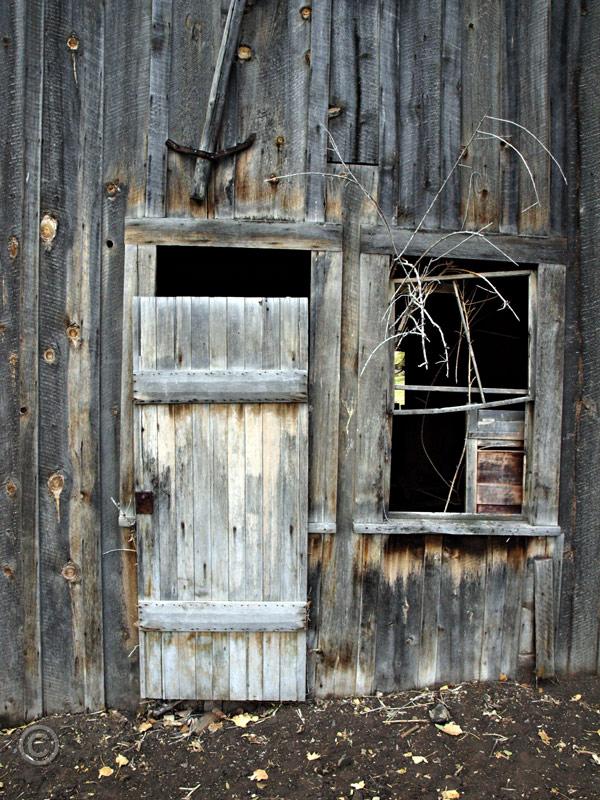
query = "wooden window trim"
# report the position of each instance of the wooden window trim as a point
(543, 432)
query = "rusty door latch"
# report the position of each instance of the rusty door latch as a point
(144, 502)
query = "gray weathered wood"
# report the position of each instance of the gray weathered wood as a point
(544, 618)
(125, 61)
(223, 615)
(21, 91)
(318, 102)
(456, 525)
(234, 233)
(158, 111)
(218, 93)
(324, 370)
(327, 236)
(272, 102)
(229, 523)
(354, 81)
(543, 488)
(340, 597)
(220, 386)
(69, 436)
(389, 57)
(419, 87)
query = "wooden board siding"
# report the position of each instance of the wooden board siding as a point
(84, 128)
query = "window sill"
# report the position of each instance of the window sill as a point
(456, 525)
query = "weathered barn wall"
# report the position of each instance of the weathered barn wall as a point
(90, 94)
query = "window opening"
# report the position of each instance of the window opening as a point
(459, 441)
(232, 271)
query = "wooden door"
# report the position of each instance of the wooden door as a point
(221, 496)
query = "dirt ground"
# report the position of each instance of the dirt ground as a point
(504, 740)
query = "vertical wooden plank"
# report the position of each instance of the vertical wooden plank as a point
(420, 101)
(29, 39)
(196, 29)
(495, 588)
(219, 511)
(185, 489)
(399, 611)
(166, 496)
(544, 618)
(236, 447)
(324, 376)
(254, 493)
(158, 115)
(389, 78)
(272, 528)
(290, 531)
(543, 492)
(450, 113)
(580, 620)
(481, 94)
(279, 39)
(432, 573)
(202, 471)
(69, 437)
(124, 126)
(373, 445)
(318, 102)
(302, 502)
(19, 588)
(533, 91)
(511, 623)
(340, 595)
(147, 471)
(354, 81)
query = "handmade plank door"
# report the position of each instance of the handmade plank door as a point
(220, 426)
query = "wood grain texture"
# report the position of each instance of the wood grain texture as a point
(229, 520)
(544, 618)
(354, 81)
(223, 386)
(217, 95)
(324, 369)
(126, 60)
(69, 437)
(196, 28)
(318, 102)
(20, 693)
(272, 100)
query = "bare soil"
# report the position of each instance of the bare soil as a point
(512, 741)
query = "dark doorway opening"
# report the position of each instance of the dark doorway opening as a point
(232, 272)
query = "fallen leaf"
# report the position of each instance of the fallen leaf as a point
(259, 775)
(576, 698)
(121, 760)
(419, 760)
(502, 677)
(544, 736)
(451, 728)
(450, 794)
(196, 746)
(596, 758)
(358, 785)
(105, 772)
(313, 756)
(215, 726)
(401, 771)
(145, 726)
(243, 720)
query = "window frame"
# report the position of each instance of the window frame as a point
(543, 422)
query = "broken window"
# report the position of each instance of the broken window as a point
(463, 393)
